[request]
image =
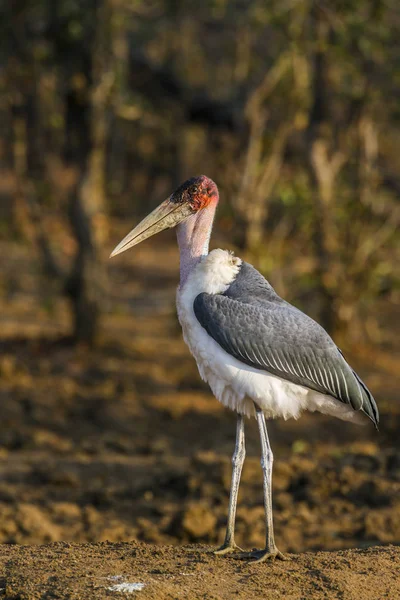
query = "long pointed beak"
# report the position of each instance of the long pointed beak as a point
(165, 216)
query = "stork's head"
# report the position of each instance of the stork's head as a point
(190, 198)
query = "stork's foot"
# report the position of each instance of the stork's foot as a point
(227, 548)
(259, 556)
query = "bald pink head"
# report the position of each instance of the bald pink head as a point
(198, 192)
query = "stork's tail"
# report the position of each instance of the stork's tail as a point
(369, 406)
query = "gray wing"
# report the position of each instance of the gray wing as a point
(267, 333)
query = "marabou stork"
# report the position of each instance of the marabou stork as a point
(260, 355)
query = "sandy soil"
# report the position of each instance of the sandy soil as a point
(103, 570)
(126, 444)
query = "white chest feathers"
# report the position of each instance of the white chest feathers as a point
(213, 275)
(234, 383)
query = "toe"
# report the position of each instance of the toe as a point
(259, 556)
(226, 549)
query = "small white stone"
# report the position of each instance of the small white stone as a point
(126, 587)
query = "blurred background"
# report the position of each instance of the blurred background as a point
(292, 107)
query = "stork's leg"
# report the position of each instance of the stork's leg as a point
(270, 551)
(237, 464)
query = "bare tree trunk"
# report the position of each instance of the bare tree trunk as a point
(84, 145)
(263, 187)
(324, 166)
(262, 168)
(85, 285)
(86, 151)
(93, 188)
(324, 170)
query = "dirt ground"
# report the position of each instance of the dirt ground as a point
(74, 571)
(126, 444)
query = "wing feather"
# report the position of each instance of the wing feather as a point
(346, 396)
(337, 388)
(276, 337)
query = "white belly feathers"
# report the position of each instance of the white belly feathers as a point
(234, 383)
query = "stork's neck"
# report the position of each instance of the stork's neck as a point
(193, 239)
